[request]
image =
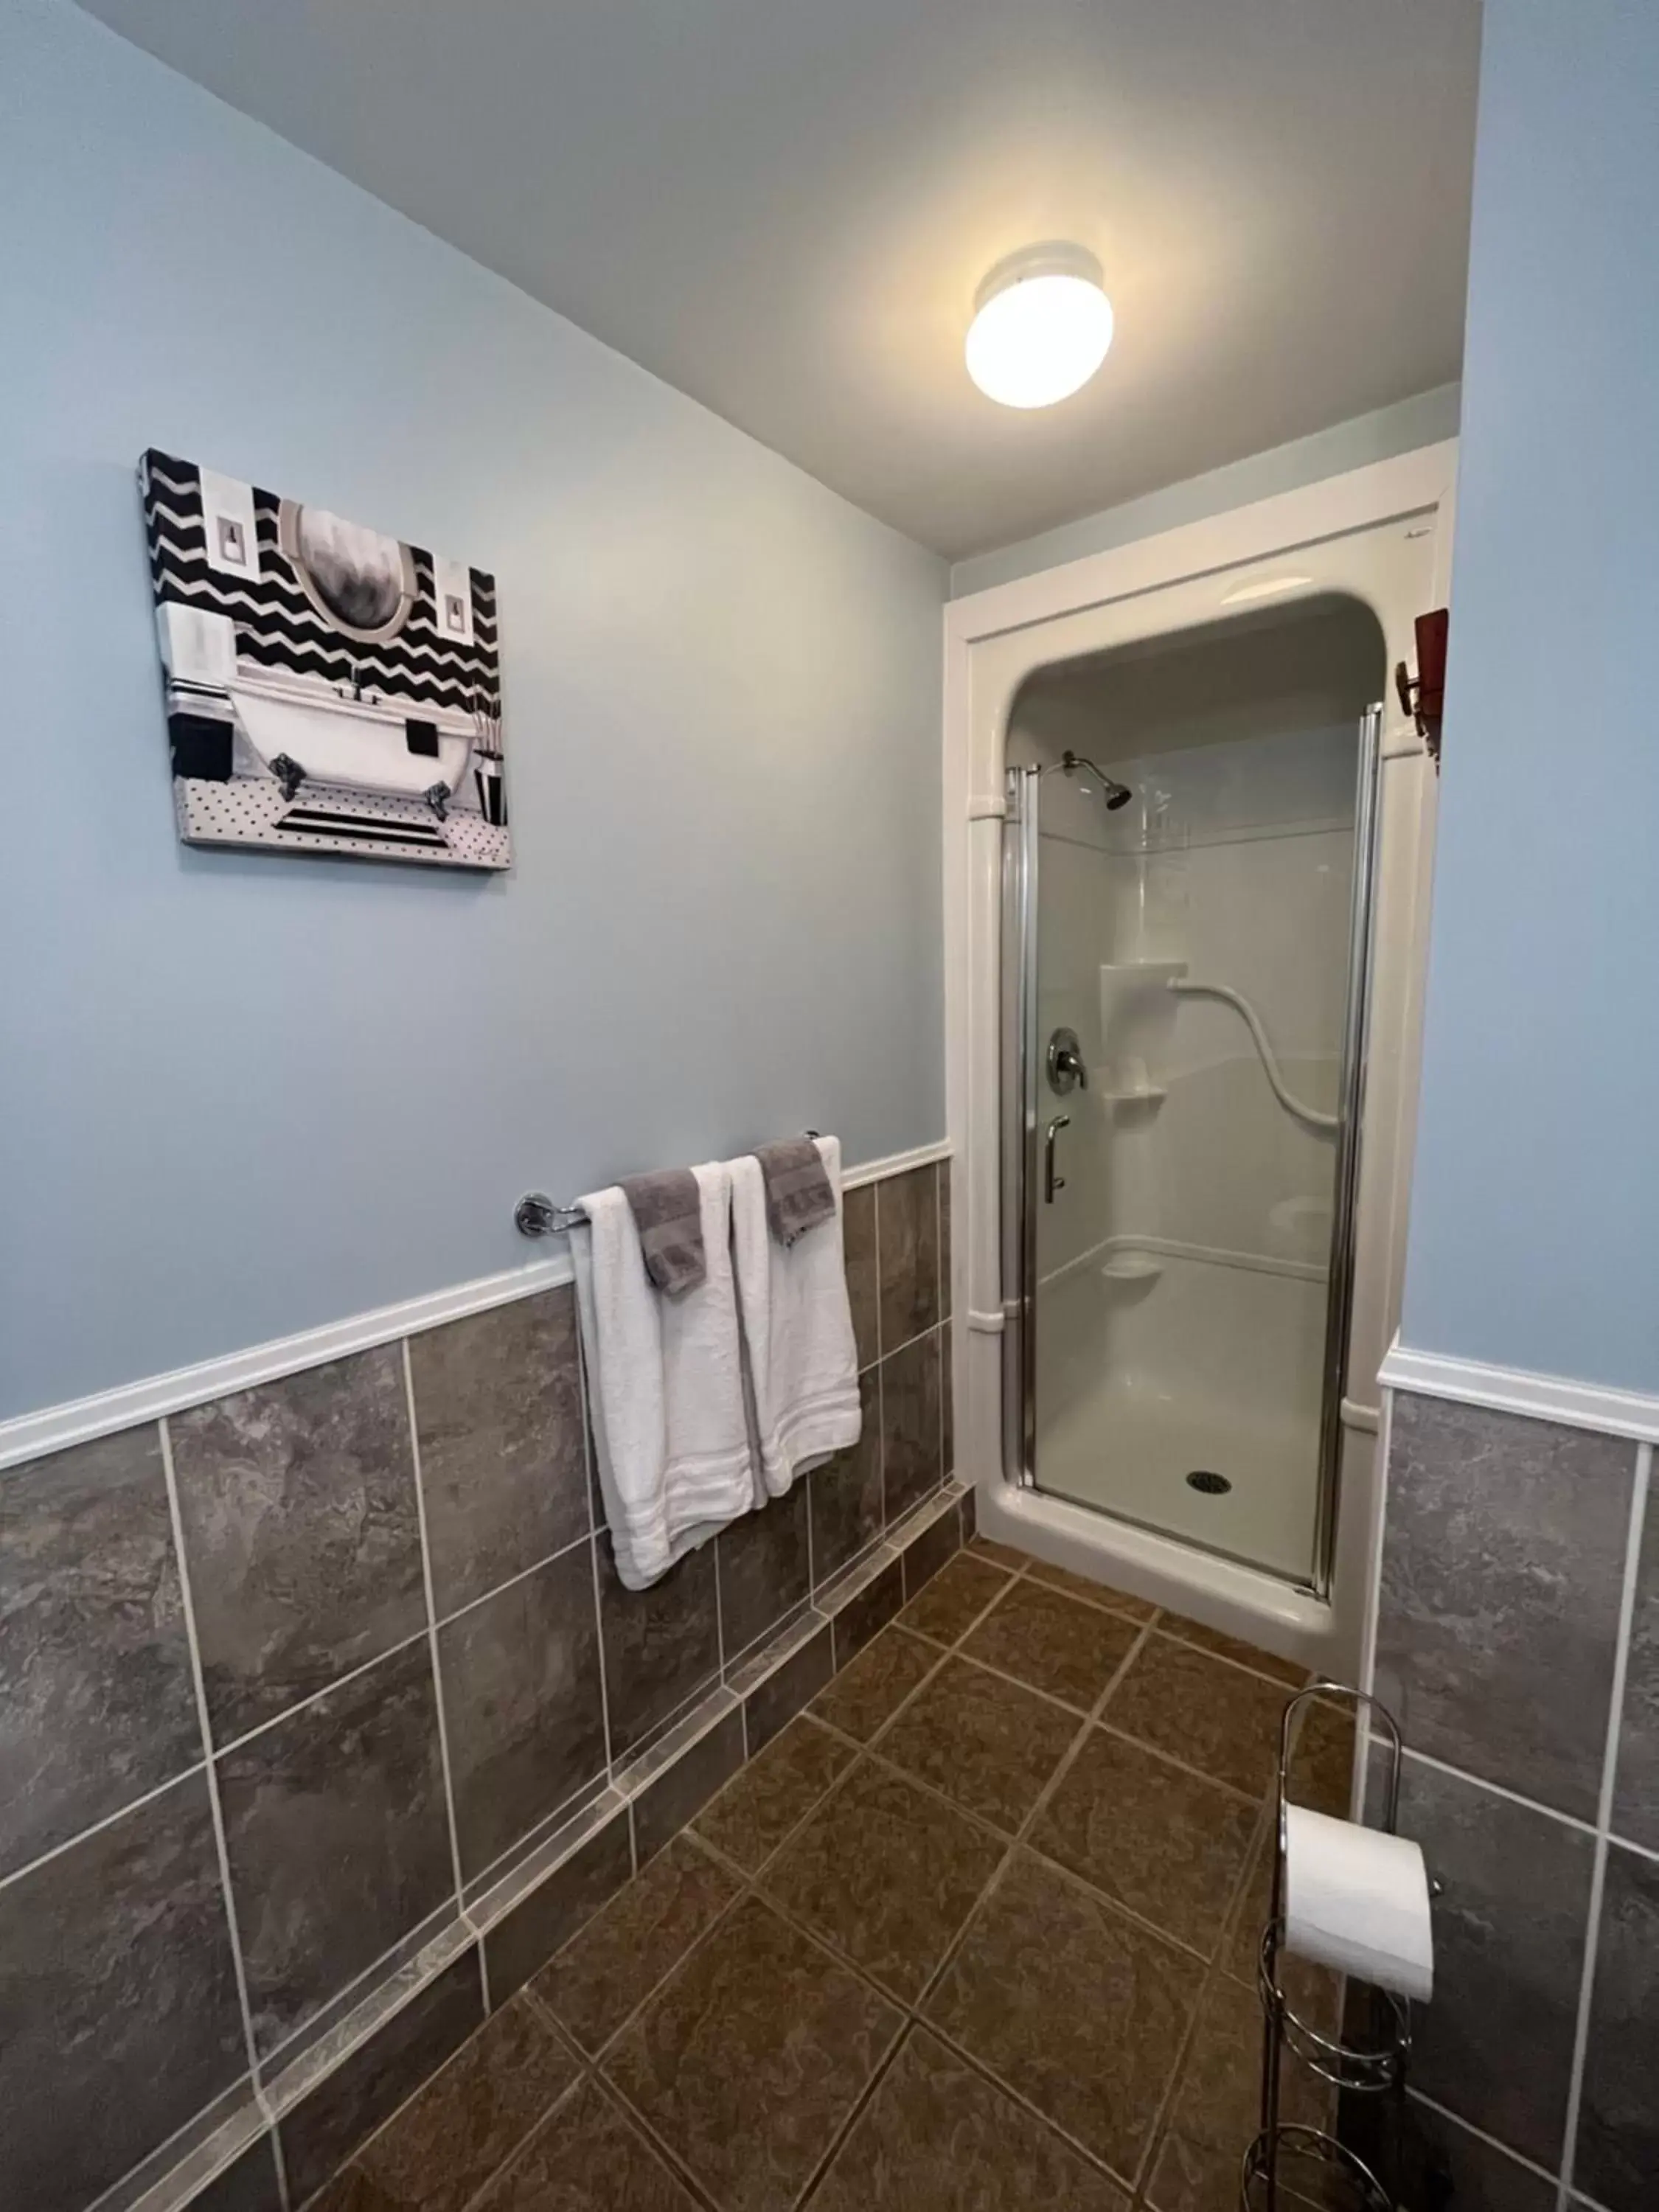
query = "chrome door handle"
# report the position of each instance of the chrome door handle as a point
(1051, 1182)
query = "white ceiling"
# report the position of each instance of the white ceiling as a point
(784, 206)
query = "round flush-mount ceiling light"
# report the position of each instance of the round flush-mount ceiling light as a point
(1042, 326)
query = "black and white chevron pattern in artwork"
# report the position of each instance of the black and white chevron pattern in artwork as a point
(279, 627)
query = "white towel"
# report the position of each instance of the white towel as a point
(665, 1385)
(797, 1326)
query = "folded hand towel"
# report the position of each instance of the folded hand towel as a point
(797, 1326)
(667, 1211)
(664, 1385)
(799, 1195)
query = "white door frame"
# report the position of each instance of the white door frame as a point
(992, 639)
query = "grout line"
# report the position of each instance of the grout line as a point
(921, 1336)
(593, 1562)
(516, 2150)
(1221, 1658)
(1018, 1572)
(989, 1606)
(383, 2126)
(1199, 1958)
(938, 1312)
(859, 2105)
(583, 1798)
(304, 1705)
(881, 1449)
(538, 2004)
(1445, 2112)
(1184, 1766)
(632, 1790)
(667, 2156)
(979, 1821)
(866, 1552)
(1496, 1790)
(1212, 1969)
(719, 1609)
(190, 2140)
(1016, 2096)
(1234, 1913)
(1021, 1840)
(285, 2195)
(665, 1726)
(1039, 1806)
(790, 1629)
(1216, 1973)
(875, 1244)
(432, 1629)
(97, 1827)
(579, 2081)
(298, 2043)
(216, 1809)
(1166, 2112)
(443, 1620)
(971, 1659)
(805, 1481)
(1639, 1488)
(596, 2057)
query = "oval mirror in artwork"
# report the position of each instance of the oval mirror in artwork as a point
(362, 581)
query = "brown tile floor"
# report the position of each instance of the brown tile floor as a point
(975, 1933)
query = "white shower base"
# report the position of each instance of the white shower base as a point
(1129, 1448)
(1209, 1364)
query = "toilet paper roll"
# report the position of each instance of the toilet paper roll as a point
(1357, 1900)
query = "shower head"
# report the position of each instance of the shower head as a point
(1115, 794)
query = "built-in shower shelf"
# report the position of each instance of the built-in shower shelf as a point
(1145, 1094)
(1132, 1267)
(1129, 974)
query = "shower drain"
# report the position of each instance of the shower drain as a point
(1206, 1479)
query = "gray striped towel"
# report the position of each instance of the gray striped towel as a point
(798, 1193)
(667, 1209)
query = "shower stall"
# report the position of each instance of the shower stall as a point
(1188, 897)
(1188, 867)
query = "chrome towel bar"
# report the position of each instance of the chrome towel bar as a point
(536, 1215)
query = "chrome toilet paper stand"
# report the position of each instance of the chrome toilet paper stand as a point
(1375, 2067)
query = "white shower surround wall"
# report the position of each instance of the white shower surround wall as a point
(1381, 534)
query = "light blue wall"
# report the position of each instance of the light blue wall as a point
(1423, 420)
(1534, 1233)
(239, 1096)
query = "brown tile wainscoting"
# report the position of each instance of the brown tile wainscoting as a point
(325, 1721)
(1518, 1642)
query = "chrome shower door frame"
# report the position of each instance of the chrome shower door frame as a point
(1022, 1062)
(1021, 1059)
(1345, 1194)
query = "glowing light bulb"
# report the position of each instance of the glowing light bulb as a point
(1041, 326)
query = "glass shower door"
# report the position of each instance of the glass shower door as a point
(1184, 1001)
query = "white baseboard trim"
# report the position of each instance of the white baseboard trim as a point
(31, 1435)
(1596, 1406)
